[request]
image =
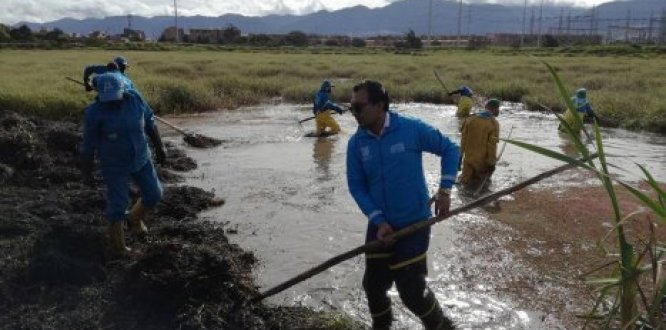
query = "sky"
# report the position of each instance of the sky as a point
(40, 11)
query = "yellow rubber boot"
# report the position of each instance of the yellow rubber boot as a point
(136, 216)
(117, 235)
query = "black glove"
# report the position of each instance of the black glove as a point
(88, 87)
(491, 169)
(160, 155)
(86, 163)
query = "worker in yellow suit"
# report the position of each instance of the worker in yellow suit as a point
(465, 101)
(480, 135)
(321, 109)
(582, 109)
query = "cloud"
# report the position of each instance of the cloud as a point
(38, 11)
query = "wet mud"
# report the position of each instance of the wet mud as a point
(201, 141)
(56, 269)
(565, 245)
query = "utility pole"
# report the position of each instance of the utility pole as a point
(569, 23)
(175, 10)
(430, 23)
(459, 22)
(469, 21)
(522, 36)
(593, 17)
(540, 24)
(532, 23)
(627, 26)
(662, 30)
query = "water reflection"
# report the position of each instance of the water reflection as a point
(567, 146)
(322, 149)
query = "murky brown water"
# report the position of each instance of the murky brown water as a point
(287, 196)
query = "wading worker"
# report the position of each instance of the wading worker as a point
(385, 177)
(120, 67)
(480, 135)
(116, 127)
(322, 110)
(465, 101)
(583, 110)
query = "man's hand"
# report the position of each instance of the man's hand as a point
(384, 230)
(86, 164)
(442, 200)
(160, 156)
(88, 87)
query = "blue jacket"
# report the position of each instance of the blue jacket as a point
(118, 132)
(322, 100)
(101, 69)
(385, 174)
(582, 106)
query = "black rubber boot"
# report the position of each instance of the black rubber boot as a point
(383, 321)
(436, 320)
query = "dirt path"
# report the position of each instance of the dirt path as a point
(560, 236)
(55, 266)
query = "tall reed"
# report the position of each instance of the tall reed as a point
(626, 288)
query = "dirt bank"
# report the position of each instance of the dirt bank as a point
(56, 270)
(561, 236)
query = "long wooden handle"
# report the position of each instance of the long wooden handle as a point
(306, 119)
(410, 230)
(313, 117)
(440, 81)
(74, 80)
(178, 129)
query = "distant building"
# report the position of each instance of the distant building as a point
(134, 35)
(205, 36)
(169, 34)
(99, 35)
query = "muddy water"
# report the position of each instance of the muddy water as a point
(287, 201)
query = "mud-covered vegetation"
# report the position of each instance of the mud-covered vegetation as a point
(56, 270)
(625, 91)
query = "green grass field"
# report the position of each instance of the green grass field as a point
(628, 91)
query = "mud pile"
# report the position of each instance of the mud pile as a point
(56, 270)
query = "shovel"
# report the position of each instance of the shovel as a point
(193, 139)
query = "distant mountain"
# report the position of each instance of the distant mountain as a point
(396, 18)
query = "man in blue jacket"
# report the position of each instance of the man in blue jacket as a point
(116, 127)
(385, 177)
(120, 67)
(321, 108)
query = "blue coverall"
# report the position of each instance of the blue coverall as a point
(117, 132)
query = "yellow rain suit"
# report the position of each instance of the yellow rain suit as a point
(582, 110)
(323, 120)
(480, 135)
(465, 104)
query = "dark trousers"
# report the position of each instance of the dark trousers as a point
(405, 264)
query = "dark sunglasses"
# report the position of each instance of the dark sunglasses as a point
(357, 108)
